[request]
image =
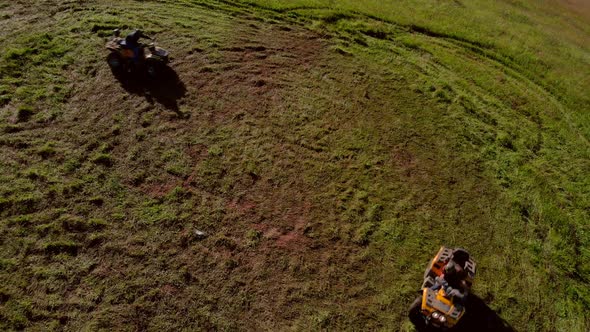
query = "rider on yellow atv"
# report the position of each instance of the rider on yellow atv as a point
(444, 291)
(453, 282)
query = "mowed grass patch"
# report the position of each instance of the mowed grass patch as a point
(301, 181)
(533, 36)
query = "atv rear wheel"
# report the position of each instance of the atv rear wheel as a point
(115, 62)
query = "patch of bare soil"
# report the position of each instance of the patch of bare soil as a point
(578, 6)
(248, 76)
(250, 69)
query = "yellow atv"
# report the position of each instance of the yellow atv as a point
(434, 309)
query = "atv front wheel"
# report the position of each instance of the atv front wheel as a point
(152, 68)
(416, 316)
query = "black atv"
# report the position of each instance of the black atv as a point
(123, 59)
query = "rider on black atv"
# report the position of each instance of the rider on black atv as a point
(132, 43)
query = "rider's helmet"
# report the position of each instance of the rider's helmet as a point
(133, 37)
(460, 256)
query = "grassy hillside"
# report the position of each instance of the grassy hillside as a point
(327, 149)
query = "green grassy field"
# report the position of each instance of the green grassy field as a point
(327, 148)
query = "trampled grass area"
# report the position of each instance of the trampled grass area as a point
(326, 148)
